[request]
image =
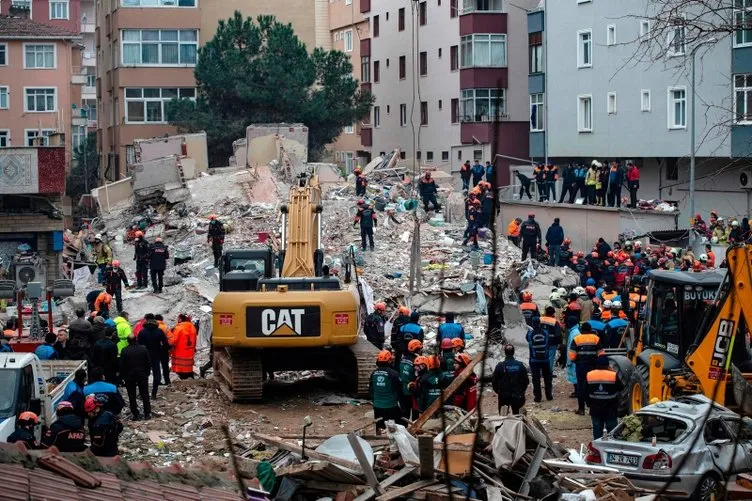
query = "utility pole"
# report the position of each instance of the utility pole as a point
(692, 131)
(85, 116)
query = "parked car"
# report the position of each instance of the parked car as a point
(687, 445)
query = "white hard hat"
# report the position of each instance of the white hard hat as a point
(703, 257)
(719, 220)
(734, 223)
(596, 163)
(554, 296)
(714, 240)
(98, 236)
(616, 304)
(628, 243)
(579, 291)
(561, 291)
(607, 304)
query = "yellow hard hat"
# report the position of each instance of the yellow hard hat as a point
(654, 400)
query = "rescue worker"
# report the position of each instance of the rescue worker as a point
(360, 185)
(446, 361)
(104, 427)
(510, 381)
(524, 185)
(477, 170)
(427, 386)
(573, 308)
(602, 396)
(529, 308)
(214, 236)
(385, 389)
(513, 231)
(123, 330)
(165, 360)
(450, 329)
(134, 371)
(586, 303)
(554, 240)
(473, 224)
(573, 330)
(487, 207)
(46, 351)
(407, 376)
(114, 278)
(531, 236)
(459, 345)
(374, 325)
(407, 332)
(466, 396)
(102, 256)
(104, 355)
(98, 386)
(614, 329)
(427, 189)
(141, 256)
(551, 325)
(155, 341)
(465, 175)
(395, 337)
(67, 433)
(367, 219)
(633, 183)
(539, 173)
(540, 364)
(184, 339)
(158, 256)
(598, 326)
(552, 175)
(490, 174)
(583, 352)
(711, 256)
(102, 305)
(24, 431)
(615, 180)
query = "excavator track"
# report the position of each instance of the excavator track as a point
(365, 363)
(240, 374)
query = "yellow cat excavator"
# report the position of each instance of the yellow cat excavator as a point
(302, 319)
(695, 337)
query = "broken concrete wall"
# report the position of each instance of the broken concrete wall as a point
(195, 148)
(239, 153)
(262, 142)
(153, 173)
(113, 193)
(152, 149)
(190, 170)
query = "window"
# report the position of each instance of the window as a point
(3, 54)
(158, 3)
(418, 155)
(482, 105)
(387, 62)
(424, 113)
(39, 56)
(422, 14)
(78, 133)
(742, 99)
(58, 9)
(349, 129)
(388, 110)
(743, 22)
(401, 19)
(537, 113)
(585, 114)
(91, 105)
(469, 6)
(41, 99)
(584, 48)
(440, 104)
(455, 110)
(645, 100)
(348, 41)
(536, 52)
(444, 156)
(375, 26)
(644, 27)
(365, 69)
(459, 154)
(376, 72)
(677, 108)
(611, 103)
(454, 62)
(147, 105)
(402, 155)
(676, 38)
(423, 63)
(402, 68)
(453, 8)
(484, 51)
(4, 104)
(4, 138)
(159, 47)
(91, 80)
(348, 2)
(377, 116)
(429, 156)
(403, 115)
(32, 133)
(439, 52)
(336, 36)
(611, 34)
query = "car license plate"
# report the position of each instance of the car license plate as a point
(623, 459)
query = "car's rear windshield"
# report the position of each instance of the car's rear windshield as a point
(643, 427)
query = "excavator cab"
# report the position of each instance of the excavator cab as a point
(242, 269)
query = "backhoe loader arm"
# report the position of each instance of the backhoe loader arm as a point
(302, 232)
(711, 360)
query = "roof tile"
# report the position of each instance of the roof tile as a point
(18, 27)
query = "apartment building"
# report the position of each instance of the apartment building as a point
(590, 97)
(146, 53)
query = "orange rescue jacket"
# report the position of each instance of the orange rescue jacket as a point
(183, 347)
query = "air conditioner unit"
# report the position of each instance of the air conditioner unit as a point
(30, 272)
(745, 180)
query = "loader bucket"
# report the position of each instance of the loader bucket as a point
(742, 391)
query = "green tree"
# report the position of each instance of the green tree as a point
(259, 72)
(85, 167)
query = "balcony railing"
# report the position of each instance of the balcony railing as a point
(471, 6)
(88, 27)
(21, 4)
(496, 117)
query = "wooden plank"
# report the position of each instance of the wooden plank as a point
(320, 471)
(389, 481)
(532, 471)
(448, 392)
(364, 463)
(319, 485)
(403, 491)
(281, 444)
(425, 453)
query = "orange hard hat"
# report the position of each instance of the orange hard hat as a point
(212, 217)
(404, 310)
(527, 296)
(458, 343)
(384, 356)
(433, 362)
(420, 361)
(29, 417)
(139, 234)
(462, 358)
(379, 307)
(414, 345)
(446, 344)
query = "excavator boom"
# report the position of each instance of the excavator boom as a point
(302, 230)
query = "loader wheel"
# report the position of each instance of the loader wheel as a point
(639, 389)
(625, 372)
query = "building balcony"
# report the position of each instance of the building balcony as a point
(30, 171)
(482, 6)
(485, 22)
(365, 6)
(495, 117)
(78, 77)
(484, 78)
(89, 92)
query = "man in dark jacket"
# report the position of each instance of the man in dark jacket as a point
(540, 364)
(104, 356)
(477, 171)
(114, 278)
(216, 237)
(67, 433)
(510, 381)
(155, 341)
(158, 256)
(141, 256)
(530, 233)
(366, 216)
(615, 179)
(80, 328)
(602, 396)
(134, 370)
(465, 173)
(96, 333)
(524, 184)
(490, 174)
(603, 248)
(427, 189)
(104, 427)
(374, 325)
(554, 239)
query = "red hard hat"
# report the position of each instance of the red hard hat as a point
(404, 310)
(116, 263)
(379, 307)
(458, 343)
(139, 234)
(212, 217)
(531, 215)
(28, 417)
(446, 344)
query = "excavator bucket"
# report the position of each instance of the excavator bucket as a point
(742, 391)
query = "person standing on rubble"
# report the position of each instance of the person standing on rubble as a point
(428, 385)
(366, 216)
(473, 224)
(155, 341)
(158, 256)
(450, 329)
(165, 360)
(528, 307)
(513, 231)
(549, 323)
(554, 239)
(538, 341)
(427, 189)
(395, 336)
(104, 356)
(465, 174)
(407, 332)
(466, 396)
(184, 339)
(67, 432)
(407, 375)
(141, 256)
(361, 183)
(602, 396)
(374, 325)
(385, 389)
(124, 330)
(102, 305)
(531, 236)
(477, 171)
(135, 366)
(446, 361)
(216, 237)
(102, 256)
(510, 381)
(114, 278)
(583, 352)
